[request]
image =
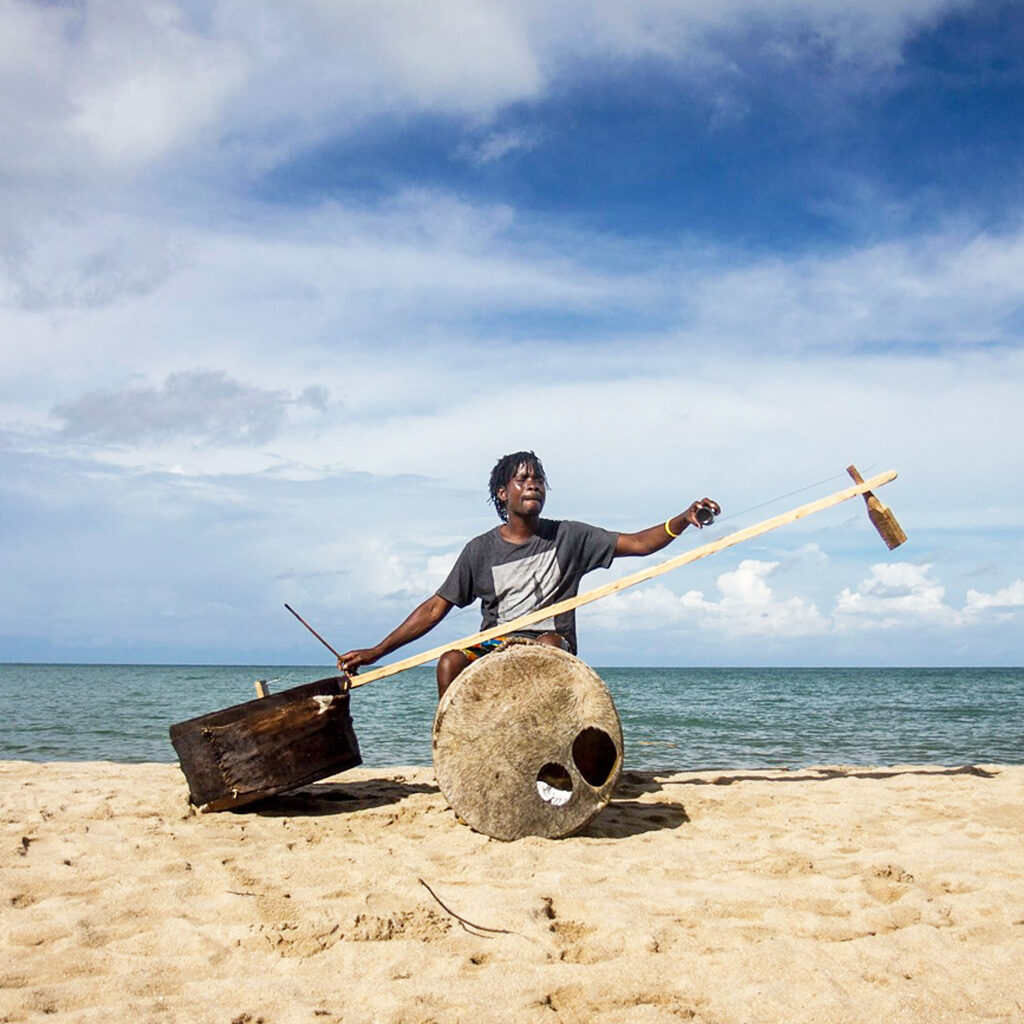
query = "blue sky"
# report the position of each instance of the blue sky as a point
(278, 284)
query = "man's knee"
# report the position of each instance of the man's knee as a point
(449, 665)
(553, 640)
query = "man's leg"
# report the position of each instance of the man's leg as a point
(553, 640)
(449, 665)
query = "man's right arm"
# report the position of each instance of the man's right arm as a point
(422, 619)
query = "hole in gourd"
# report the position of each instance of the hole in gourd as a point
(554, 784)
(595, 755)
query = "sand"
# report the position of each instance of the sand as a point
(838, 894)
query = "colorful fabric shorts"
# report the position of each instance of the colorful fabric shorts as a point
(479, 650)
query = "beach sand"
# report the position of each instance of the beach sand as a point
(832, 894)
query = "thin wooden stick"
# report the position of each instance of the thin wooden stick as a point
(628, 581)
(312, 630)
(467, 925)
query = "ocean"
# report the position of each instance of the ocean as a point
(672, 718)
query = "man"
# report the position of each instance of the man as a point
(524, 564)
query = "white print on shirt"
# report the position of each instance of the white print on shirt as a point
(526, 584)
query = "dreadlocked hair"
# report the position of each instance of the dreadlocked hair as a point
(505, 469)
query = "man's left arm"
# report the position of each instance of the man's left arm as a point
(654, 538)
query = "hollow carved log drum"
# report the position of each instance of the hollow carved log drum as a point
(527, 742)
(267, 746)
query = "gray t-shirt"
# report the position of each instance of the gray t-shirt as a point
(514, 579)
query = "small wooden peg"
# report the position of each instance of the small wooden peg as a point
(881, 516)
(261, 688)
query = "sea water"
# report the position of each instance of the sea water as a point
(672, 718)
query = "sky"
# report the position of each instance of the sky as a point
(279, 283)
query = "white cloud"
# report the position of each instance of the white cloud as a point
(944, 289)
(457, 54)
(197, 405)
(33, 99)
(894, 595)
(902, 595)
(747, 607)
(145, 79)
(72, 260)
(136, 80)
(897, 596)
(430, 255)
(405, 578)
(356, 317)
(497, 145)
(1011, 596)
(140, 80)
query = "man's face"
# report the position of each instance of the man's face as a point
(524, 494)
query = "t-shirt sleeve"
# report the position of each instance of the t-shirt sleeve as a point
(458, 587)
(594, 547)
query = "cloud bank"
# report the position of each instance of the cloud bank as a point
(896, 596)
(194, 405)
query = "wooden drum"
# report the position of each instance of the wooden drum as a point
(267, 746)
(527, 742)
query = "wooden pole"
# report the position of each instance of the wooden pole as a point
(628, 581)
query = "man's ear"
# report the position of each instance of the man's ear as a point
(502, 493)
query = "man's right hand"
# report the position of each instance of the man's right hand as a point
(350, 661)
(421, 620)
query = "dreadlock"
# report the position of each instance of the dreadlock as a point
(506, 468)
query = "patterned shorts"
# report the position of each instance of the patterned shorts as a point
(477, 651)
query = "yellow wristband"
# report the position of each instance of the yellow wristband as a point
(668, 531)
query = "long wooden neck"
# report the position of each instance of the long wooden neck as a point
(629, 581)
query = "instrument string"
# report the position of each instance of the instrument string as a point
(789, 494)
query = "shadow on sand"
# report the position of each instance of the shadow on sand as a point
(625, 815)
(322, 798)
(624, 818)
(633, 783)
